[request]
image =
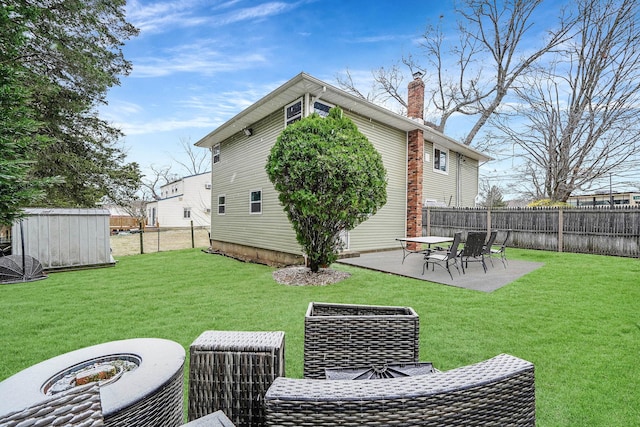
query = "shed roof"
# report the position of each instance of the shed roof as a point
(304, 83)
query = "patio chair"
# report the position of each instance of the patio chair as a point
(473, 249)
(501, 251)
(443, 259)
(486, 249)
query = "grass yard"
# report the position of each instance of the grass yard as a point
(577, 319)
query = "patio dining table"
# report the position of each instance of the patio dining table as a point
(422, 240)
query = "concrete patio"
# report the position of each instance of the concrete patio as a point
(496, 276)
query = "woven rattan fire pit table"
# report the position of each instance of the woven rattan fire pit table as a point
(231, 371)
(149, 394)
(345, 335)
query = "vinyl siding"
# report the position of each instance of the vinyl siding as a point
(381, 230)
(242, 169)
(442, 186)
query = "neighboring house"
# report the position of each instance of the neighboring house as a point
(604, 199)
(182, 201)
(247, 219)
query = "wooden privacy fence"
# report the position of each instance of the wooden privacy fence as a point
(603, 231)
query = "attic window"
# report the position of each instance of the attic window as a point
(293, 112)
(322, 108)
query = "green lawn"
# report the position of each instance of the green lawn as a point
(577, 319)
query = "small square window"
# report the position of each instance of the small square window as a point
(222, 204)
(215, 153)
(255, 202)
(187, 213)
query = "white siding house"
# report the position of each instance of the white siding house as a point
(247, 219)
(182, 201)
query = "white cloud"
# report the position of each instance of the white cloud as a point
(161, 16)
(195, 58)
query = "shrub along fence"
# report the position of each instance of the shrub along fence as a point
(603, 231)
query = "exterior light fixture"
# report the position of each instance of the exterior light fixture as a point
(248, 131)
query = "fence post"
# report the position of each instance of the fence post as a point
(141, 232)
(560, 228)
(193, 240)
(428, 221)
(488, 221)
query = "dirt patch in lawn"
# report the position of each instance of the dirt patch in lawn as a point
(158, 241)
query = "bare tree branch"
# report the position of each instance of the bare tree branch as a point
(578, 116)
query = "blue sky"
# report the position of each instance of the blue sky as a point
(197, 63)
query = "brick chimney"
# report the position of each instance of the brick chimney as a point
(415, 153)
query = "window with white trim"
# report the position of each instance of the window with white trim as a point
(215, 153)
(293, 112)
(186, 213)
(222, 204)
(255, 202)
(440, 160)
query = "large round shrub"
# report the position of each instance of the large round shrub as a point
(330, 178)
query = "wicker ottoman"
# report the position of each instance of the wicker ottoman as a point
(342, 335)
(231, 371)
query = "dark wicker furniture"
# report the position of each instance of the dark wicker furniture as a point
(79, 406)
(150, 395)
(231, 371)
(380, 371)
(215, 419)
(499, 391)
(343, 335)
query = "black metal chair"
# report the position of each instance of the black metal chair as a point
(474, 249)
(486, 249)
(501, 251)
(443, 258)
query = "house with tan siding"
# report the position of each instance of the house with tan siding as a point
(247, 219)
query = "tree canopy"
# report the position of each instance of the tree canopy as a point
(68, 55)
(329, 177)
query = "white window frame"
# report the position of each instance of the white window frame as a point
(295, 116)
(222, 205)
(253, 202)
(186, 213)
(436, 160)
(215, 153)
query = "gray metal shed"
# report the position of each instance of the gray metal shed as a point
(65, 238)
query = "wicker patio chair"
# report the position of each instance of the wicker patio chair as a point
(444, 259)
(344, 335)
(473, 249)
(501, 251)
(499, 391)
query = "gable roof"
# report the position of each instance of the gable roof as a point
(304, 83)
